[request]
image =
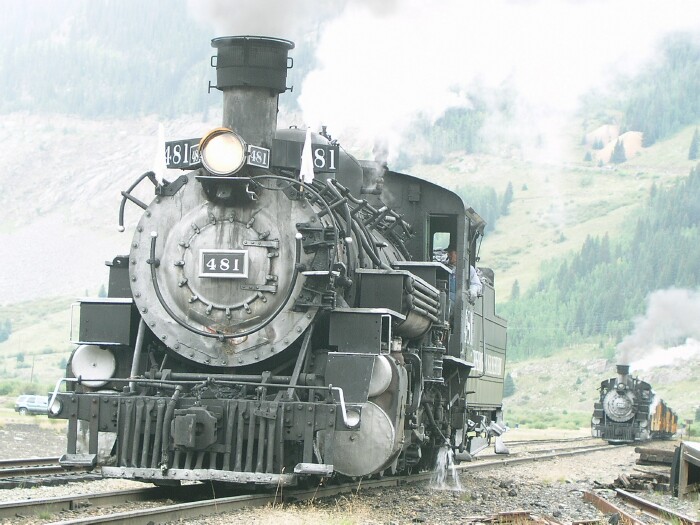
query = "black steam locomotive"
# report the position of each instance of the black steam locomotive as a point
(280, 314)
(628, 410)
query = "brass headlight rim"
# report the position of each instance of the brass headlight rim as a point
(213, 134)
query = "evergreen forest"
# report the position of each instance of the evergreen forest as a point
(599, 290)
(660, 100)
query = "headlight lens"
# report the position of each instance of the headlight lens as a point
(222, 152)
(596, 421)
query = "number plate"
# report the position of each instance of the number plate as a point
(258, 156)
(182, 154)
(230, 264)
(287, 154)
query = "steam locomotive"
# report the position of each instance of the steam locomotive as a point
(280, 316)
(628, 410)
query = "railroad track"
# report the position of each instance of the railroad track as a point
(29, 472)
(632, 508)
(543, 441)
(25, 462)
(198, 500)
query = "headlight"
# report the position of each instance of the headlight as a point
(352, 418)
(596, 421)
(643, 424)
(222, 151)
(56, 407)
(94, 365)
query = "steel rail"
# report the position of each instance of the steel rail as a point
(607, 507)
(528, 459)
(37, 470)
(657, 510)
(11, 509)
(19, 462)
(542, 441)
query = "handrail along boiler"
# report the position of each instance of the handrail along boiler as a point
(263, 329)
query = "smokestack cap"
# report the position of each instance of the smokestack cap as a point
(623, 370)
(252, 61)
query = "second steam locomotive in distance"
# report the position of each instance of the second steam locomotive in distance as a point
(274, 322)
(628, 410)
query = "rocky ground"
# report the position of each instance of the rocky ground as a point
(35, 438)
(549, 488)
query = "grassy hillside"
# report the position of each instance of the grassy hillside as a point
(559, 391)
(33, 357)
(555, 206)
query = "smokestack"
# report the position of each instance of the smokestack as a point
(251, 71)
(623, 370)
(622, 373)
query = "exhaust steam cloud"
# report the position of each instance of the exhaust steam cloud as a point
(381, 64)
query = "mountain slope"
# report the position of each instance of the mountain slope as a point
(557, 205)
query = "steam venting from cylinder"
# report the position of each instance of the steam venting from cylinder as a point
(251, 71)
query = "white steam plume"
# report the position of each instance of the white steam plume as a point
(671, 320)
(376, 73)
(289, 19)
(379, 64)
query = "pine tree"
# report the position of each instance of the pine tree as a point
(618, 154)
(588, 157)
(515, 291)
(507, 199)
(694, 150)
(508, 385)
(5, 330)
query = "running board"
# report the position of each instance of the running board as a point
(69, 461)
